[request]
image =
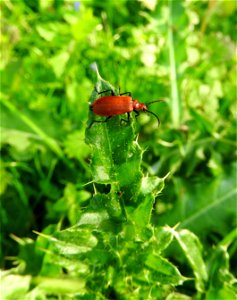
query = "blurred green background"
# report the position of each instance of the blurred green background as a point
(183, 51)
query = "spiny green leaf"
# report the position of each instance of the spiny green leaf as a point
(72, 241)
(150, 187)
(152, 184)
(142, 213)
(165, 272)
(191, 247)
(116, 157)
(163, 237)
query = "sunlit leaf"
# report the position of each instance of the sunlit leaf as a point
(14, 286)
(165, 272)
(58, 62)
(191, 247)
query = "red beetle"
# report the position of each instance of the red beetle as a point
(109, 106)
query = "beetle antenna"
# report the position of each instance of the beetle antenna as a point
(155, 116)
(160, 100)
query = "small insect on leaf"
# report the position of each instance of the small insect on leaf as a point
(113, 105)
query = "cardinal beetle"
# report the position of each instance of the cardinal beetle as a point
(110, 106)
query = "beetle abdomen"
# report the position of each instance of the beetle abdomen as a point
(112, 105)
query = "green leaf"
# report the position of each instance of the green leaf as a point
(20, 140)
(178, 296)
(46, 31)
(150, 188)
(52, 143)
(163, 237)
(60, 285)
(14, 286)
(111, 142)
(204, 124)
(165, 272)
(72, 241)
(219, 209)
(142, 213)
(58, 63)
(6, 178)
(191, 247)
(223, 293)
(152, 184)
(93, 218)
(222, 282)
(116, 157)
(35, 294)
(82, 26)
(29, 259)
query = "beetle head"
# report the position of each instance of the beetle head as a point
(139, 106)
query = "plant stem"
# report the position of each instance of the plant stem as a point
(175, 101)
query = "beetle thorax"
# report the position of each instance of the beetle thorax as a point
(139, 106)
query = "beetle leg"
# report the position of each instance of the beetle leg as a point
(95, 121)
(126, 93)
(112, 92)
(128, 119)
(136, 113)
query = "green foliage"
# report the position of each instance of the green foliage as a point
(121, 210)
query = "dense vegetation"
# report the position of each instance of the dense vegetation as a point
(121, 210)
